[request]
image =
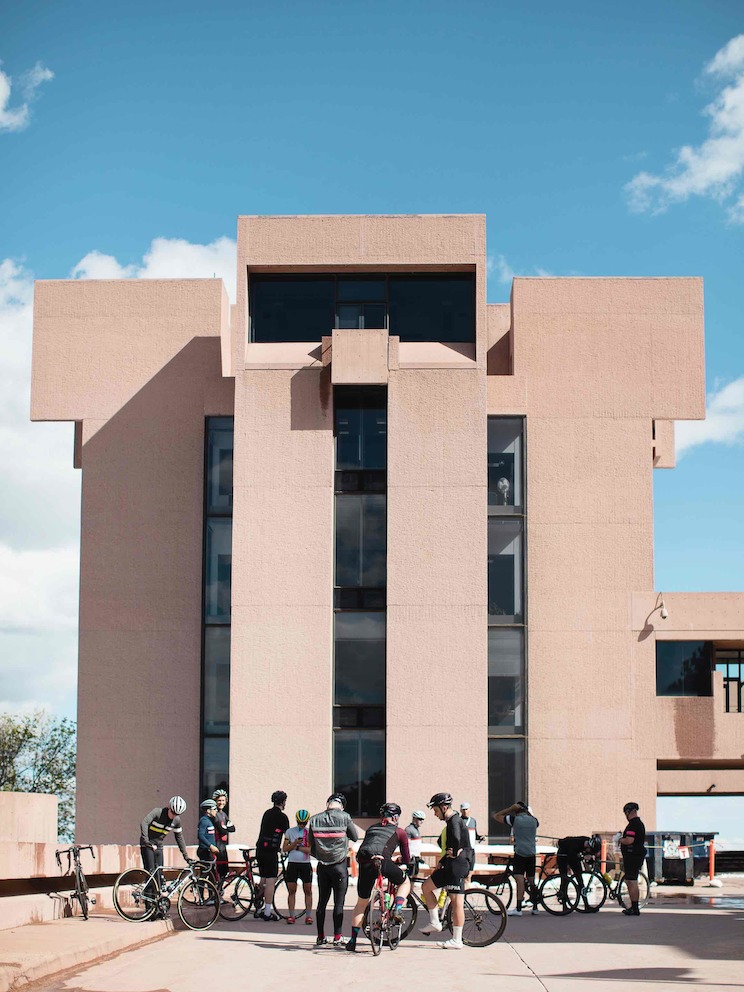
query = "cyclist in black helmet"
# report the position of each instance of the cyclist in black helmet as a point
(570, 851)
(453, 869)
(329, 834)
(381, 839)
(273, 826)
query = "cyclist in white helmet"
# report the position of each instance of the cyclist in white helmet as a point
(154, 828)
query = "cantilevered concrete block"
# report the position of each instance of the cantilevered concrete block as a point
(359, 357)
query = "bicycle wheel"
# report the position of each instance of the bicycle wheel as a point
(485, 918)
(236, 897)
(593, 893)
(410, 912)
(374, 921)
(552, 900)
(198, 904)
(643, 890)
(81, 892)
(504, 891)
(135, 895)
(281, 900)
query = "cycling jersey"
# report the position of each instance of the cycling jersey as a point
(524, 827)
(205, 837)
(330, 833)
(296, 855)
(457, 838)
(157, 824)
(637, 831)
(223, 827)
(382, 839)
(273, 825)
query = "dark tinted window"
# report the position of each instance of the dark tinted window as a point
(505, 463)
(359, 659)
(361, 289)
(360, 541)
(361, 428)
(504, 570)
(432, 307)
(217, 680)
(359, 770)
(683, 668)
(505, 681)
(505, 779)
(292, 308)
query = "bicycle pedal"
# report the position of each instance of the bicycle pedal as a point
(92, 900)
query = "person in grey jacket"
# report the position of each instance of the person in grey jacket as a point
(329, 834)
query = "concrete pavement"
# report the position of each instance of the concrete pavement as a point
(677, 944)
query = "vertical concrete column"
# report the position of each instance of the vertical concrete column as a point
(436, 592)
(282, 591)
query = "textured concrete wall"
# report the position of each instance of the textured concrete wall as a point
(139, 363)
(436, 593)
(282, 592)
(27, 816)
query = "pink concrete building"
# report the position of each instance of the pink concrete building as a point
(364, 531)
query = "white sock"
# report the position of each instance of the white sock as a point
(457, 934)
(434, 916)
(268, 909)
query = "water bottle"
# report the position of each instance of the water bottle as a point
(388, 900)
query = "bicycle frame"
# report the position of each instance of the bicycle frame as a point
(81, 884)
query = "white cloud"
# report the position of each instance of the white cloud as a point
(167, 258)
(497, 265)
(724, 420)
(17, 119)
(715, 167)
(40, 489)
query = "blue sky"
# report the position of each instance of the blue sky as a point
(562, 122)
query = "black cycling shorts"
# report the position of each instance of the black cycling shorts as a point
(268, 864)
(451, 874)
(525, 864)
(632, 864)
(299, 871)
(368, 874)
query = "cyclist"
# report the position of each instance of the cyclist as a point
(154, 828)
(524, 829)
(274, 824)
(381, 839)
(633, 847)
(297, 848)
(223, 827)
(413, 832)
(207, 849)
(570, 851)
(470, 823)
(330, 833)
(454, 868)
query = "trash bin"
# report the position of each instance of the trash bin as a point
(670, 858)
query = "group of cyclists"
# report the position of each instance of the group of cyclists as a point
(385, 848)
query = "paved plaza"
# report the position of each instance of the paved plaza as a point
(682, 941)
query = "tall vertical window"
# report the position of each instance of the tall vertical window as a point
(507, 693)
(359, 597)
(218, 495)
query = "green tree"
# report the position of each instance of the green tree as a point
(37, 754)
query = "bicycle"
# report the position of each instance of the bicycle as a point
(485, 915)
(379, 923)
(593, 892)
(140, 895)
(237, 890)
(502, 883)
(81, 884)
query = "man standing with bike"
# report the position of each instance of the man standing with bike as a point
(633, 847)
(206, 841)
(524, 829)
(570, 852)
(329, 833)
(453, 869)
(223, 828)
(381, 841)
(154, 828)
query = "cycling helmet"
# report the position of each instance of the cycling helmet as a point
(218, 793)
(390, 810)
(337, 797)
(418, 815)
(440, 799)
(208, 804)
(278, 797)
(594, 846)
(177, 805)
(302, 816)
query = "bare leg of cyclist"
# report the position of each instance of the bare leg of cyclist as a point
(308, 890)
(431, 898)
(291, 897)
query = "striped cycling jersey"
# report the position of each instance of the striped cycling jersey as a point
(157, 825)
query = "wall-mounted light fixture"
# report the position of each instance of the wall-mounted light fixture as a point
(661, 607)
